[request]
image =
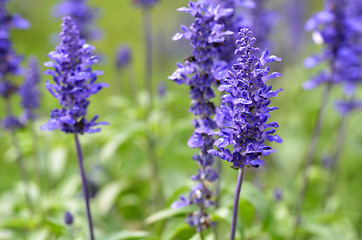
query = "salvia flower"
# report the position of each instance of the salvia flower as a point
(29, 90)
(244, 111)
(207, 34)
(334, 28)
(83, 16)
(74, 82)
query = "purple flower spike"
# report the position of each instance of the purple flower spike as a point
(29, 91)
(82, 15)
(244, 111)
(207, 36)
(74, 82)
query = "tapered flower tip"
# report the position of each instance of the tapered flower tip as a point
(123, 57)
(68, 218)
(145, 3)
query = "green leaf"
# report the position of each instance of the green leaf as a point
(258, 199)
(108, 195)
(125, 234)
(57, 162)
(166, 213)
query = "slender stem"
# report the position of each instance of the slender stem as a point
(202, 237)
(19, 158)
(158, 191)
(84, 185)
(148, 45)
(132, 82)
(310, 157)
(22, 169)
(338, 147)
(236, 202)
(217, 193)
(37, 161)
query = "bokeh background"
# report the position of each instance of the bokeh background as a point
(120, 160)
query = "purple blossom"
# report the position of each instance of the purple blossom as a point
(207, 36)
(83, 16)
(9, 63)
(345, 107)
(10, 122)
(145, 3)
(336, 29)
(74, 82)
(259, 19)
(244, 111)
(123, 57)
(29, 90)
(68, 218)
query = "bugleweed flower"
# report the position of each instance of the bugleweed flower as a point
(29, 90)
(334, 28)
(74, 82)
(244, 110)
(82, 14)
(206, 35)
(145, 3)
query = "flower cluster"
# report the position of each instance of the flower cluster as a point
(74, 82)
(207, 34)
(338, 30)
(9, 61)
(244, 110)
(29, 91)
(82, 15)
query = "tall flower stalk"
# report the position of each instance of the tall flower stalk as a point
(244, 112)
(207, 34)
(9, 66)
(336, 30)
(30, 101)
(74, 82)
(146, 6)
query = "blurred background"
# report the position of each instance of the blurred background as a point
(139, 164)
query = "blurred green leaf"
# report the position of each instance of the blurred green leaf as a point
(258, 199)
(167, 213)
(108, 194)
(123, 235)
(57, 161)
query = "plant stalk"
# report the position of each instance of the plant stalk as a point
(236, 202)
(84, 186)
(148, 46)
(310, 158)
